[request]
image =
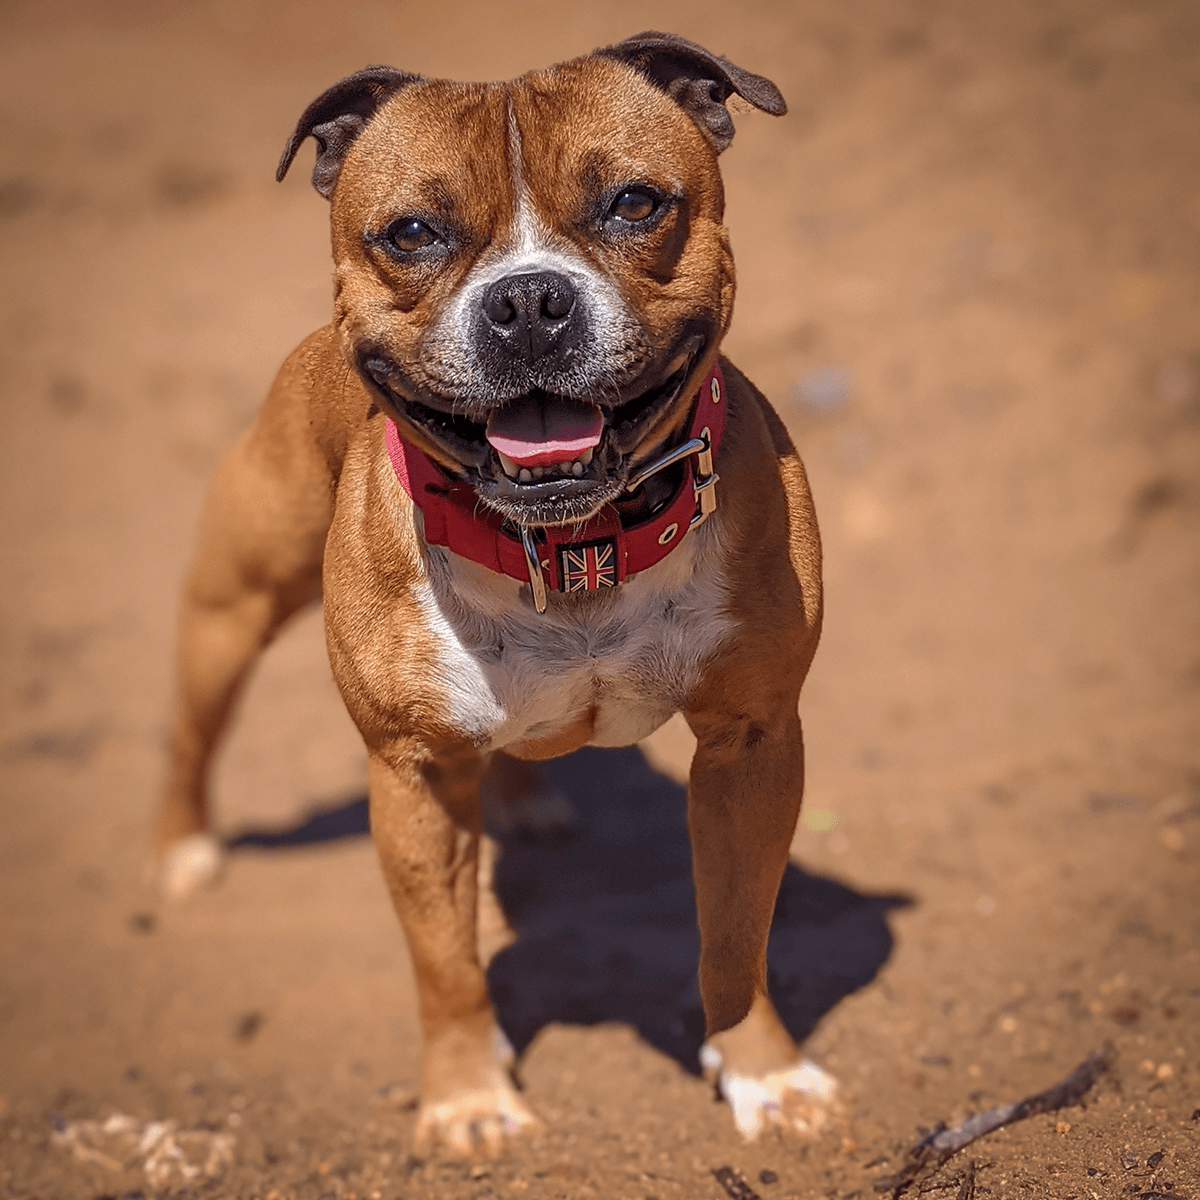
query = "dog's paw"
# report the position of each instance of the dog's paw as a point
(483, 1121)
(798, 1098)
(189, 865)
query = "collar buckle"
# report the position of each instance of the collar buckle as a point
(705, 486)
(704, 481)
(537, 582)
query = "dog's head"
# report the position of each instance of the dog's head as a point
(531, 277)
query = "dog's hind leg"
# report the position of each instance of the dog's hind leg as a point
(258, 561)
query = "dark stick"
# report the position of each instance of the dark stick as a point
(940, 1143)
(735, 1186)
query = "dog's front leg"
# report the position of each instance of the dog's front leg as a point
(744, 794)
(425, 821)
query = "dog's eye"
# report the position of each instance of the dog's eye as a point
(410, 234)
(633, 205)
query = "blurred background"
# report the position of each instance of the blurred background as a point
(968, 279)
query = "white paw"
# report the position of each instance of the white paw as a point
(483, 1120)
(796, 1098)
(191, 864)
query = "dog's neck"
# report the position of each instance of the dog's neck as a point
(601, 552)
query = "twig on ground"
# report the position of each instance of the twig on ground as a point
(940, 1143)
(736, 1187)
(967, 1190)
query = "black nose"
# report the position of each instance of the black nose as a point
(531, 314)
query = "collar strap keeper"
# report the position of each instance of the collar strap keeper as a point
(601, 552)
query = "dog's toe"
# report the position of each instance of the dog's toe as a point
(190, 864)
(798, 1099)
(476, 1122)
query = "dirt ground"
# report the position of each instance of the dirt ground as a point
(970, 279)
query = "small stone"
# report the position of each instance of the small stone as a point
(1165, 1071)
(1063, 1127)
(767, 1176)
(247, 1026)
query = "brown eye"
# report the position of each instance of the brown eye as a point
(410, 234)
(633, 206)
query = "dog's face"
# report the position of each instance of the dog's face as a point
(531, 277)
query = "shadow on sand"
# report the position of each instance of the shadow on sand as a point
(606, 922)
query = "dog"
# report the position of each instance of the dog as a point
(542, 513)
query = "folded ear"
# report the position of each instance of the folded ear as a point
(337, 116)
(700, 82)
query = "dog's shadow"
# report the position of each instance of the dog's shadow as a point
(606, 921)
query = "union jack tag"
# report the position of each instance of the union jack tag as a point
(589, 567)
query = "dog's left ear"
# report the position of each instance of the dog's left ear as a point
(698, 81)
(337, 116)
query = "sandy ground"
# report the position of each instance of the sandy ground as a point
(969, 278)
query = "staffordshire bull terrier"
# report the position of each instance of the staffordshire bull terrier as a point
(542, 513)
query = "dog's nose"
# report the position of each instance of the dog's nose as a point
(530, 314)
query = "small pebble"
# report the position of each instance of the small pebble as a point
(766, 1176)
(247, 1026)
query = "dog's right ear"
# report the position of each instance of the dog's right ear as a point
(337, 116)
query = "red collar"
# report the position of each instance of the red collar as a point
(602, 551)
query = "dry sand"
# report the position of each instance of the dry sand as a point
(970, 279)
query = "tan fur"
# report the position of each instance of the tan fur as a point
(308, 500)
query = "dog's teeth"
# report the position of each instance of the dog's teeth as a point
(538, 472)
(510, 468)
(565, 466)
(587, 456)
(577, 469)
(525, 475)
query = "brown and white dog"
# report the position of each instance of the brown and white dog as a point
(542, 515)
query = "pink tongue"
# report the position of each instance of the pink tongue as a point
(537, 431)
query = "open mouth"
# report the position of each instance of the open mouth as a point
(541, 458)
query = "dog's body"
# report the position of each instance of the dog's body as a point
(525, 270)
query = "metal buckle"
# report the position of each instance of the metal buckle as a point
(706, 486)
(537, 584)
(705, 483)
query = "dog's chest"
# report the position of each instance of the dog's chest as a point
(606, 669)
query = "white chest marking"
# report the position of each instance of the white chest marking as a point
(630, 655)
